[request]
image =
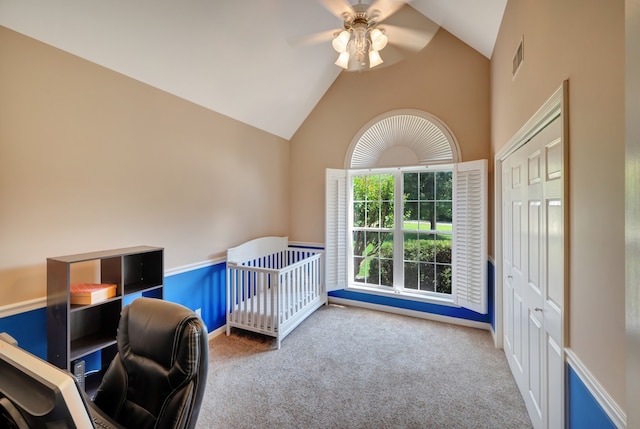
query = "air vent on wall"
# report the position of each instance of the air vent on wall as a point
(518, 58)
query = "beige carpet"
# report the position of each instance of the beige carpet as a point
(348, 367)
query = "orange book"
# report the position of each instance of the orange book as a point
(91, 293)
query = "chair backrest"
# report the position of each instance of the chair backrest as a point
(158, 377)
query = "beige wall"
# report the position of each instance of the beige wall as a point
(92, 160)
(582, 41)
(447, 79)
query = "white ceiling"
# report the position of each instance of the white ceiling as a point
(250, 60)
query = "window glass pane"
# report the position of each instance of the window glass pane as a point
(411, 214)
(444, 215)
(411, 275)
(358, 255)
(411, 247)
(427, 185)
(444, 181)
(373, 201)
(373, 244)
(386, 247)
(359, 213)
(443, 251)
(373, 257)
(373, 271)
(373, 214)
(359, 188)
(358, 243)
(427, 215)
(373, 188)
(386, 272)
(427, 248)
(427, 277)
(387, 214)
(386, 186)
(443, 278)
(358, 270)
(411, 192)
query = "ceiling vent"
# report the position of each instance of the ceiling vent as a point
(518, 58)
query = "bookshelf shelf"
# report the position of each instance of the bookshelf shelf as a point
(76, 331)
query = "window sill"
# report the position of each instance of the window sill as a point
(430, 299)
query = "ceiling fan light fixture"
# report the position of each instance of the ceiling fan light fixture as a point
(374, 59)
(343, 60)
(340, 42)
(360, 43)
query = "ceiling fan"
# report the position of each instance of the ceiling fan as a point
(368, 28)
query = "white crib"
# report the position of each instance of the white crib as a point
(271, 287)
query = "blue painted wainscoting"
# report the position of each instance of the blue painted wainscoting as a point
(29, 329)
(583, 411)
(201, 288)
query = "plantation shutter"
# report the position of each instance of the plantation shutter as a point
(470, 235)
(336, 229)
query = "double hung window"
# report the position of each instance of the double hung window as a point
(415, 231)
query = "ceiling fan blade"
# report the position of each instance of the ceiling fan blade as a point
(409, 38)
(387, 7)
(409, 29)
(337, 7)
(312, 39)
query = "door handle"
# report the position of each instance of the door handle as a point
(510, 277)
(537, 309)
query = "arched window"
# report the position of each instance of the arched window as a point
(403, 138)
(405, 217)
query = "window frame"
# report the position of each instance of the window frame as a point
(398, 230)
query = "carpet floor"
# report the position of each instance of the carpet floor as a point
(347, 367)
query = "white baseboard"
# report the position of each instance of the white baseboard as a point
(221, 330)
(411, 313)
(610, 407)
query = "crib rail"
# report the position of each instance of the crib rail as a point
(268, 293)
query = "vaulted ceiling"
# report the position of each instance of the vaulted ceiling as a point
(263, 62)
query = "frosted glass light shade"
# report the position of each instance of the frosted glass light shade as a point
(378, 40)
(374, 59)
(343, 60)
(341, 41)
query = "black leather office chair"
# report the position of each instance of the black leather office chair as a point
(158, 377)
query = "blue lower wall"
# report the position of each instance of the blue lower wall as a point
(29, 329)
(583, 411)
(442, 310)
(202, 288)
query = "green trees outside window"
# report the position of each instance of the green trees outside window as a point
(425, 230)
(373, 223)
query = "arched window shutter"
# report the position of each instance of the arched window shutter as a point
(424, 136)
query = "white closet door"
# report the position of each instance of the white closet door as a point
(513, 276)
(533, 264)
